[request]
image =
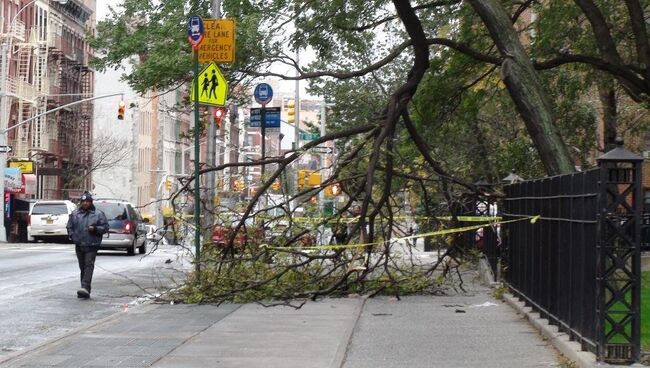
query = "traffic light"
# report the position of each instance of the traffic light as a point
(314, 179)
(336, 189)
(168, 185)
(120, 110)
(307, 178)
(276, 185)
(302, 176)
(239, 185)
(333, 190)
(291, 111)
(219, 114)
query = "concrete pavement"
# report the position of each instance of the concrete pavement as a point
(471, 330)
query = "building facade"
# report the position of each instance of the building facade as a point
(48, 68)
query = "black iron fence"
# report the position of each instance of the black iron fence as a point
(552, 263)
(578, 265)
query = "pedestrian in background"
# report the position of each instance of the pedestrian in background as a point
(86, 227)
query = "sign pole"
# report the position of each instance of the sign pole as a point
(195, 35)
(211, 159)
(263, 126)
(197, 187)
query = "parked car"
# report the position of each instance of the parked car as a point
(221, 234)
(127, 228)
(48, 219)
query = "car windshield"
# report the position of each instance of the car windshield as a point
(49, 209)
(113, 211)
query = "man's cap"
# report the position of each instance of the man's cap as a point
(86, 197)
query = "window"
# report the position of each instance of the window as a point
(132, 214)
(50, 209)
(113, 211)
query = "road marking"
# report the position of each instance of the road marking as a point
(38, 247)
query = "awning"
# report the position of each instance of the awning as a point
(18, 183)
(29, 181)
(13, 180)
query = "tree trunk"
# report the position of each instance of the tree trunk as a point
(607, 96)
(525, 88)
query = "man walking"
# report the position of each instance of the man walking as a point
(86, 226)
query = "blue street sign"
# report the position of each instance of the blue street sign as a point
(263, 93)
(195, 31)
(271, 116)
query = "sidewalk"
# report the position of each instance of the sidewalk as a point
(422, 331)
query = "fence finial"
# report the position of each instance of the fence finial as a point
(619, 141)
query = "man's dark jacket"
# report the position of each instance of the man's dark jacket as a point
(78, 224)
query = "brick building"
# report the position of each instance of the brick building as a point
(48, 68)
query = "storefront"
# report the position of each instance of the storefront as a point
(19, 190)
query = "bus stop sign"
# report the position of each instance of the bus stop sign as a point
(195, 31)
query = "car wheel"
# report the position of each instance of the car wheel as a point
(143, 248)
(131, 250)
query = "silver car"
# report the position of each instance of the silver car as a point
(127, 229)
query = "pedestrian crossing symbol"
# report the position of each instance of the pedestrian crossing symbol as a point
(213, 87)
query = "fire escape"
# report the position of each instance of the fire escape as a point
(24, 96)
(47, 69)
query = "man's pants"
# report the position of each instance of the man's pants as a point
(86, 257)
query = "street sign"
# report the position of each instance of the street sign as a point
(219, 43)
(271, 116)
(5, 149)
(263, 93)
(195, 31)
(213, 86)
(26, 167)
(322, 150)
(309, 136)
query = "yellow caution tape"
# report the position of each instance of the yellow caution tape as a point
(356, 219)
(533, 219)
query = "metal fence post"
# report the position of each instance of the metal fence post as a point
(618, 279)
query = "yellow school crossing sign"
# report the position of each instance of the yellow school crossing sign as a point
(213, 87)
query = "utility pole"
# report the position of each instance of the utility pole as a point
(212, 153)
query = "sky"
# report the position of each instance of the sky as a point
(102, 7)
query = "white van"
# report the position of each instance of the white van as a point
(48, 219)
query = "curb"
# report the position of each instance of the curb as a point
(342, 350)
(53, 340)
(570, 349)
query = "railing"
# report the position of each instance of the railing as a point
(645, 232)
(552, 264)
(579, 264)
(17, 30)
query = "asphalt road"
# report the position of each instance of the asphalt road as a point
(38, 284)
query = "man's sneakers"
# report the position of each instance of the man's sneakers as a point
(83, 293)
